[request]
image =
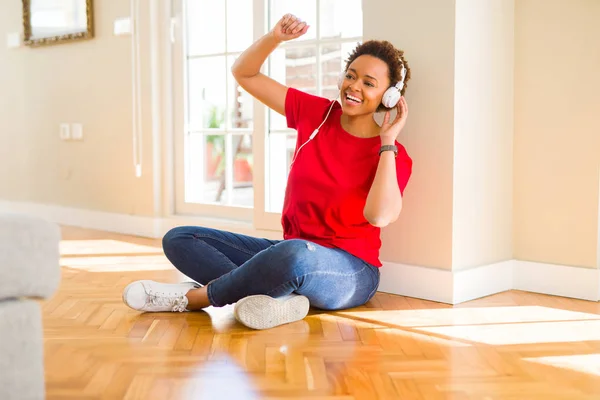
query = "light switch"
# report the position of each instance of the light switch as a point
(13, 40)
(65, 131)
(77, 131)
(122, 26)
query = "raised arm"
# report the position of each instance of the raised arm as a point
(246, 69)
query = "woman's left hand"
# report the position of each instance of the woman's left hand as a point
(390, 131)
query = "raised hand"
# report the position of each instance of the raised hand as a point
(289, 27)
(389, 132)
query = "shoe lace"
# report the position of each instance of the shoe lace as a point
(177, 303)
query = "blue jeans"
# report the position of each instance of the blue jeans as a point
(238, 266)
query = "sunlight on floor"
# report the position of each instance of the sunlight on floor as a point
(118, 263)
(408, 337)
(95, 247)
(529, 333)
(398, 333)
(221, 318)
(588, 363)
(111, 256)
(492, 325)
(469, 316)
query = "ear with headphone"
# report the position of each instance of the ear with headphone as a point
(392, 95)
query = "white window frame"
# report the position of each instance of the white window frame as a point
(181, 131)
(262, 219)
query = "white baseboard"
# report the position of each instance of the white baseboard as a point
(110, 222)
(419, 282)
(446, 286)
(558, 280)
(126, 224)
(454, 287)
(441, 285)
(483, 281)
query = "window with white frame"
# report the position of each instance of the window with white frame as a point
(218, 112)
(219, 165)
(311, 63)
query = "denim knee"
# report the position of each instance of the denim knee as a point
(289, 256)
(171, 238)
(176, 244)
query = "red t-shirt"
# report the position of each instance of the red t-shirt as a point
(329, 181)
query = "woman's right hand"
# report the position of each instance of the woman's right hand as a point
(246, 68)
(289, 27)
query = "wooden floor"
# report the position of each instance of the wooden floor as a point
(513, 345)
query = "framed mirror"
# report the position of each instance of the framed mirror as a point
(57, 21)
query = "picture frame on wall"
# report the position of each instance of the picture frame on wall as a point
(47, 22)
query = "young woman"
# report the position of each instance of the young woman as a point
(346, 182)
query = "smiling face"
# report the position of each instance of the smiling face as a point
(365, 82)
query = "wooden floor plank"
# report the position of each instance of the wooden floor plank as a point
(393, 347)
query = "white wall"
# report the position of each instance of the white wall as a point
(424, 29)
(483, 133)
(557, 131)
(87, 82)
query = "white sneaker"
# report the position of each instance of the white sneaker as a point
(264, 312)
(153, 296)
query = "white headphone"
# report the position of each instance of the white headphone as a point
(392, 95)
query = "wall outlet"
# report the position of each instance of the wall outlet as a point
(122, 26)
(13, 40)
(77, 131)
(65, 131)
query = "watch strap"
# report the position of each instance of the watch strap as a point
(389, 147)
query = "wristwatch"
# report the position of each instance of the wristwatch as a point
(389, 147)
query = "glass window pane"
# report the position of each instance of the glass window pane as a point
(243, 171)
(301, 68)
(206, 172)
(206, 91)
(294, 67)
(306, 10)
(341, 19)
(205, 20)
(277, 71)
(239, 24)
(241, 103)
(214, 170)
(280, 153)
(333, 62)
(205, 161)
